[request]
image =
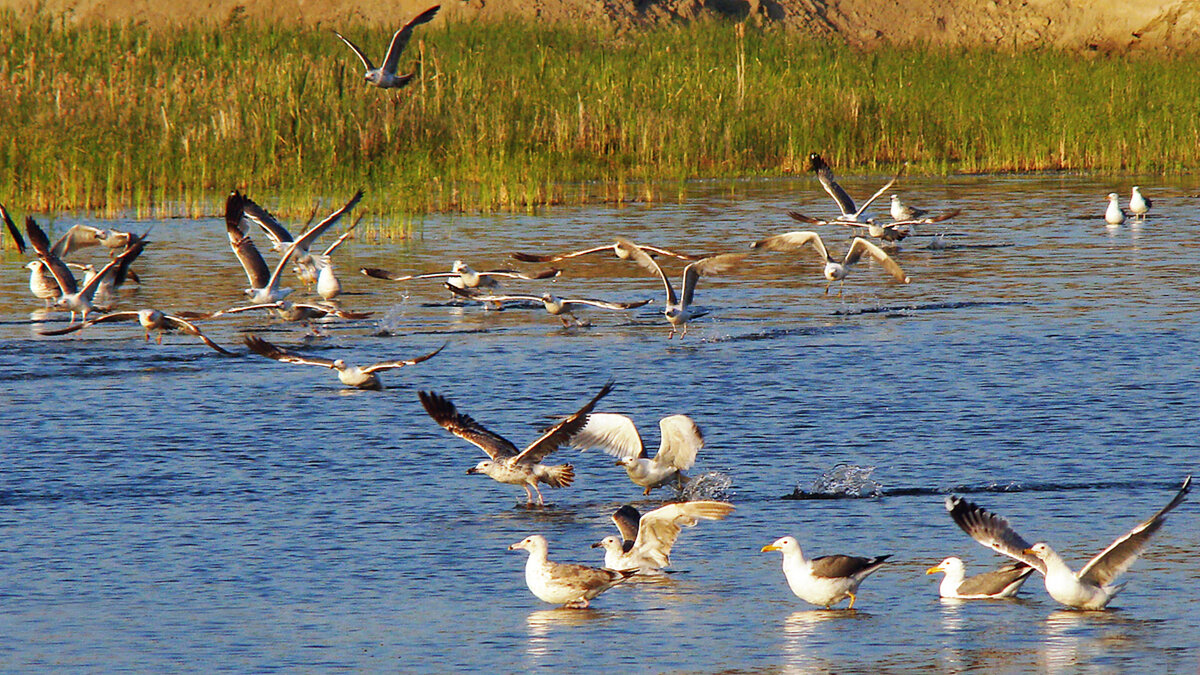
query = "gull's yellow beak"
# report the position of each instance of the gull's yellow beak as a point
(770, 547)
(934, 570)
(1029, 551)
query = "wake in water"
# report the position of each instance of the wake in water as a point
(712, 485)
(844, 481)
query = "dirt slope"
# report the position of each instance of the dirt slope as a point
(1099, 25)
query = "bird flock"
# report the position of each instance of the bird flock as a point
(642, 549)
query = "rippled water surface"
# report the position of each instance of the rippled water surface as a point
(164, 508)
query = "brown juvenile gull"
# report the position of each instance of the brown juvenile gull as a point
(835, 270)
(563, 308)
(1004, 582)
(385, 76)
(825, 580)
(561, 583)
(618, 248)
(618, 436)
(351, 376)
(151, 320)
(646, 540)
(506, 463)
(678, 309)
(1090, 588)
(845, 204)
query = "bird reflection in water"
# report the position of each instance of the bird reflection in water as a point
(540, 647)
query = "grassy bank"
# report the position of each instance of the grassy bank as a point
(503, 116)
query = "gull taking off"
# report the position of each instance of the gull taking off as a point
(506, 464)
(561, 583)
(462, 275)
(835, 270)
(1092, 587)
(826, 580)
(902, 211)
(563, 308)
(151, 320)
(889, 232)
(620, 249)
(351, 376)
(1001, 583)
(845, 204)
(678, 309)
(646, 540)
(71, 296)
(307, 267)
(1114, 215)
(1139, 206)
(617, 435)
(385, 76)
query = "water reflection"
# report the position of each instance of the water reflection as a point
(803, 638)
(540, 626)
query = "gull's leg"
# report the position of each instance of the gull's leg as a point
(528, 493)
(672, 333)
(159, 340)
(827, 287)
(684, 333)
(541, 502)
(647, 490)
(852, 598)
(563, 319)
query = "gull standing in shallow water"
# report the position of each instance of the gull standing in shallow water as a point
(561, 583)
(351, 376)
(618, 436)
(506, 463)
(1000, 583)
(826, 580)
(151, 320)
(646, 540)
(1139, 205)
(385, 76)
(1092, 587)
(835, 270)
(678, 309)
(1114, 215)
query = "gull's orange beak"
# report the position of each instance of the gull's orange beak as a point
(1029, 551)
(770, 547)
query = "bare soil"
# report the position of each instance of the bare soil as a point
(1104, 26)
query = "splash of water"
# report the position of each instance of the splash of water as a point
(396, 314)
(712, 485)
(846, 480)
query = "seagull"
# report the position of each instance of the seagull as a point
(83, 236)
(617, 435)
(618, 248)
(679, 310)
(561, 583)
(1138, 205)
(71, 296)
(462, 275)
(385, 77)
(835, 270)
(1092, 587)
(41, 281)
(646, 540)
(563, 308)
(1114, 215)
(151, 320)
(291, 312)
(1001, 583)
(902, 211)
(351, 376)
(890, 232)
(306, 267)
(844, 202)
(825, 580)
(506, 463)
(328, 286)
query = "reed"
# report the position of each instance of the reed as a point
(126, 118)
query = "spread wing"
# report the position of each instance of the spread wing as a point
(604, 304)
(626, 519)
(926, 221)
(180, 324)
(1117, 558)
(481, 297)
(41, 244)
(667, 252)
(361, 56)
(861, 246)
(994, 582)
(845, 566)
(377, 273)
(276, 232)
(561, 433)
(300, 246)
(12, 230)
(390, 365)
(809, 220)
(992, 531)
(445, 414)
(514, 274)
(79, 236)
(717, 264)
(243, 247)
(658, 530)
(533, 258)
(263, 348)
(401, 37)
(614, 434)
(878, 192)
(825, 176)
(106, 318)
(794, 241)
(681, 440)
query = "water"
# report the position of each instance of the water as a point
(164, 508)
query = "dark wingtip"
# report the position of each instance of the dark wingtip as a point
(235, 204)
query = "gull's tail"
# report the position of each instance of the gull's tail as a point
(555, 476)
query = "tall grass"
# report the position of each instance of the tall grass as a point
(507, 115)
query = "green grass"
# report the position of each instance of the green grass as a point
(512, 115)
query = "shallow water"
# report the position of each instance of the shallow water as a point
(165, 508)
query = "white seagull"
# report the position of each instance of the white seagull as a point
(563, 308)
(1092, 587)
(561, 583)
(71, 295)
(646, 540)
(462, 275)
(678, 309)
(506, 463)
(889, 232)
(902, 211)
(617, 435)
(825, 580)
(1114, 215)
(151, 320)
(835, 270)
(1004, 582)
(845, 204)
(385, 76)
(1139, 205)
(618, 248)
(307, 267)
(351, 376)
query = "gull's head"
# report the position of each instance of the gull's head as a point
(1042, 551)
(481, 467)
(895, 198)
(339, 364)
(1135, 189)
(609, 544)
(949, 565)
(33, 264)
(815, 162)
(627, 461)
(784, 544)
(459, 267)
(1112, 197)
(531, 543)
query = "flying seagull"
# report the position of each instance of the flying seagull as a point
(835, 270)
(83, 236)
(646, 540)
(1090, 588)
(844, 203)
(678, 309)
(1139, 205)
(351, 376)
(151, 320)
(307, 267)
(1000, 583)
(506, 464)
(1114, 215)
(561, 583)
(888, 232)
(618, 248)
(385, 77)
(563, 308)
(71, 295)
(826, 580)
(462, 275)
(617, 435)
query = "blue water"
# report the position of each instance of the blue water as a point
(164, 508)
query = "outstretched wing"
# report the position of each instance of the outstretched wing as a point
(402, 36)
(604, 304)
(794, 241)
(561, 433)
(391, 365)
(667, 252)
(263, 348)
(809, 220)
(614, 434)
(276, 232)
(41, 243)
(183, 325)
(658, 530)
(482, 297)
(115, 316)
(1117, 558)
(825, 176)
(243, 246)
(445, 414)
(361, 56)
(12, 230)
(860, 246)
(515, 274)
(878, 192)
(643, 259)
(533, 258)
(626, 519)
(992, 531)
(681, 440)
(378, 273)
(717, 264)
